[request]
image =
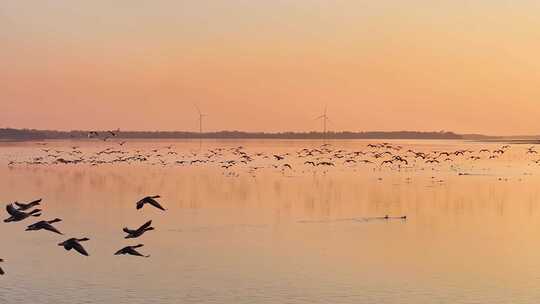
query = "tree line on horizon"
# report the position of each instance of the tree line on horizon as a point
(32, 134)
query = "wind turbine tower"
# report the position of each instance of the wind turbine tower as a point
(201, 115)
(324, 118)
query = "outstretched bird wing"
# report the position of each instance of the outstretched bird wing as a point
(51, 228)
(145, 225)
(36, 202)
(132, 251)
(79, 248)
(20, 205)
(1, 271)
(121, 251)
(154, 203)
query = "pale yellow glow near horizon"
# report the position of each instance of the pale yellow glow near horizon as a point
(271, 65)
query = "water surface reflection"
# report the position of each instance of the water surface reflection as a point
(277, 239)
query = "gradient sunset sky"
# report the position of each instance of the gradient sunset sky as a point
(253, 65)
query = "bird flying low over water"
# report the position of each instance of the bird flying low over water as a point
(23, 207)
(387, 162)
(139, 231)
(278, 157)
(1, 270)
(131, 250)
(45, 225)
(16, 215)
(73, 243)
(149, 200)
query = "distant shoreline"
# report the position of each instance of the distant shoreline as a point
(513, 141)
(10, 134)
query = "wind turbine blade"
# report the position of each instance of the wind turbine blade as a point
(197, 107)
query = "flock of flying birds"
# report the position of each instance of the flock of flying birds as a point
(233, 159)
(20, 211)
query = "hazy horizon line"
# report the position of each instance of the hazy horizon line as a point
(271, 132)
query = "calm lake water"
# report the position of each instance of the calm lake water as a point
(254, 233)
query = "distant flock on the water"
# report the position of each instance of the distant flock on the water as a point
(20, 211)
(377, 156)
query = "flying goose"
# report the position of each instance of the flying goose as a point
(73, 243)
(139, 231)
(278, 157)
(131, 250)
(45, 225)
(16, 215)
(149, 200)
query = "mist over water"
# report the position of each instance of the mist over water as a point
(310, 234)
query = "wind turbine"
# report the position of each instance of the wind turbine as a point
(201, 115)
(324, 117)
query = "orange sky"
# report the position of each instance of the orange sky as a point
(254, 65)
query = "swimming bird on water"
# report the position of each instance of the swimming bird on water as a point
(32, 204)
(150, 200)
(139, 231)
(73, 243)
(45, 225)
(131, 250)
(16, 215)
(387, 217)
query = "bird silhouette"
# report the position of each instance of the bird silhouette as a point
(278, 157)
(131, 250)
(45, 225)
(139, 231)
(16, 215)
(387, 162)
(150, 200)
(32, 204)
(74, 243)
